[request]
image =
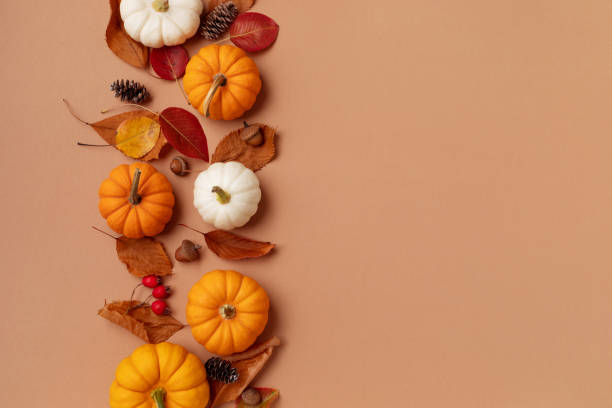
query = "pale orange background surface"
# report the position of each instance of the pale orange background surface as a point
(442, 204)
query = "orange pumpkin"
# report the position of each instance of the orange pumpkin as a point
(136, 200)
(221, 82)
(227, 311)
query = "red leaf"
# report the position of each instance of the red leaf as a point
(184, 132)
(169, 62)
(253, 31)
(231, 246)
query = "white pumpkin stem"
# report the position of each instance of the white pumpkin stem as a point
(134, 198)
(222, 196)
(159, 395)
(218, 80)
(160, 5)
(227, 311)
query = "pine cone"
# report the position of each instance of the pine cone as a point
(221, 370)
(129, 91)
(218, 20)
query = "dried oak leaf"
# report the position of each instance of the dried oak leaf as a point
(143, 256)
(141, 321)
(233, 148)
(107, 129)
(126, 48)
(241, 5)
(231, 246)
(268, 396)
(247, 368)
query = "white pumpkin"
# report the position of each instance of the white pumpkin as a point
(227, 195)
(156, 23)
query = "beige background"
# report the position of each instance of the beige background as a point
(441, 204)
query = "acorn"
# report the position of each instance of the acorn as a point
(252, 135)
(179, 166)
(251, 396)
(187, 252)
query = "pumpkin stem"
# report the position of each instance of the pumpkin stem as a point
(218, 80)
(222, 196)
(160, 5)
(134, 197)
(227, 312)
(158, 395)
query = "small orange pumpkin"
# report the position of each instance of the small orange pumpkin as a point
(159, 376)
(221, 82)
(136, 200)
(227, 311)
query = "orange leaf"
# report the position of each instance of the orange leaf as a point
(247, 370)
(144, 256)
(129, 50)
(140, 320)
(231, 246)
(233, 148)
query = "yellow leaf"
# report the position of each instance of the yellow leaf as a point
(136, 137)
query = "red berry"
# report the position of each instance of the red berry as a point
(161, 291)
(151, 281)
(160, 307)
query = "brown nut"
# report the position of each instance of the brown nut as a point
(252, 135)
(179, 166)
(187, 252)
(251, 396)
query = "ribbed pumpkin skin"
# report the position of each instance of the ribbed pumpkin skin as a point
(164, 365)
(149, 217)
(239, 93)
(222, 336)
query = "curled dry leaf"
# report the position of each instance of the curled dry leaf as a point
(137, 137)
(268, 396)
(130, 51)
(169, 62)
(144, 256)
(253, 31)
(233, 147)
(255, 349)
(184, 132)
(247, 370)
(140, 320)
(241, 5)
(231, 246)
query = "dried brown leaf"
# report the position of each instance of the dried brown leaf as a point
(255, 349)
(144, 256)
(242, 5)
(247, 370)
(107, 129)
(129, 50)
(231, 246)
(233, 148)
(141, 321)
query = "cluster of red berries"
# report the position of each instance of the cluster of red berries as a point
(159, 292)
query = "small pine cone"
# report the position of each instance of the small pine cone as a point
(218, 20)
(221, 370)
(129, 91)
